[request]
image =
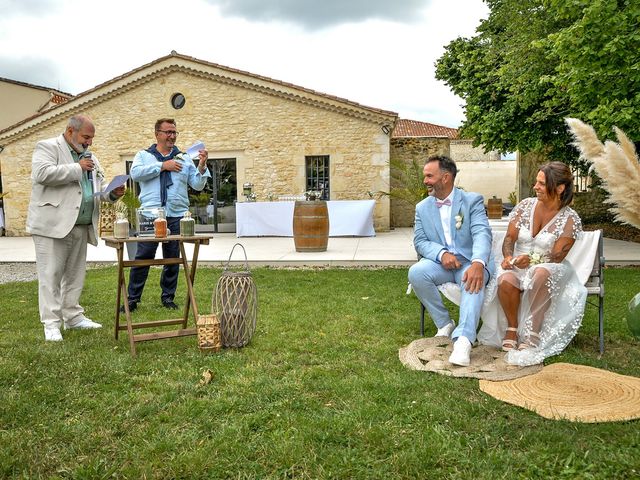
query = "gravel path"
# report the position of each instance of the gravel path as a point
(26, 271)
(17, 272)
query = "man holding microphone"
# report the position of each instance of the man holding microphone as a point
(62, 219)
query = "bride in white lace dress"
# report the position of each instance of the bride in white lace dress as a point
(539, 292)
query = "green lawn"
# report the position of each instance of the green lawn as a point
(318, 393)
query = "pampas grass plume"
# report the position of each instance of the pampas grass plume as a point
(616, 164)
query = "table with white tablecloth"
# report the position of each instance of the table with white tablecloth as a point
(347, 218)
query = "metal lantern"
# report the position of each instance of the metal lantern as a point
(236, 304)
(247, 189)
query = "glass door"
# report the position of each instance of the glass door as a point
(213, 208)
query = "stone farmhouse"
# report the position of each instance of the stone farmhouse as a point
(282, 138)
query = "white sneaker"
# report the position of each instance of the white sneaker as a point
(84, 323)
(446, 330)
(52, 334)
(461, 354)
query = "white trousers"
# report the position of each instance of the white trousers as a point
(61, 264)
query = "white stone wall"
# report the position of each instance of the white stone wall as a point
(483, 172)
(464, 151)
(268, 135)
(489, 178)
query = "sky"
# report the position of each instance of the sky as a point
(379, 53)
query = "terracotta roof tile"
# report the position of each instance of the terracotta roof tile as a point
(58, 99)
(414, 128)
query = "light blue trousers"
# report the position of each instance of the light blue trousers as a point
(426, 275)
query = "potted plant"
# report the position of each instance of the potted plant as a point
(407, 180)
(128, 204)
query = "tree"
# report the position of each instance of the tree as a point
(600, 50)
(535, 62)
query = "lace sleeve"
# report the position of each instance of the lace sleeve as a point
(569, 224)
(521, 213)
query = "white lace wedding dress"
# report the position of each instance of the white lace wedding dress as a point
(565, 295)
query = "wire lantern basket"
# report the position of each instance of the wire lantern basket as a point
(236, 304)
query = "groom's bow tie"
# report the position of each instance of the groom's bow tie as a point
(446, 201)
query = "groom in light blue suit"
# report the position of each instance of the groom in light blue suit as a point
(452, 237)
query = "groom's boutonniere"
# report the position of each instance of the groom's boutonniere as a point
(179, 156)
(459, 219)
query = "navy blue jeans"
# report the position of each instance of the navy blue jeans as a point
(168, 277)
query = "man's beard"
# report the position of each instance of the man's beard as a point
(79, 147)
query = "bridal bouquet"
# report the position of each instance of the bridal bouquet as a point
(535, 258)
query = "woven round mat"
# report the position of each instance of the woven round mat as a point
(562, 391)
(432, 355)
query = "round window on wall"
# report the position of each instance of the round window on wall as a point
(178, 101)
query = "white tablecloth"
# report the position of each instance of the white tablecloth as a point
(264, 219)
(350, 218)
(347, 218)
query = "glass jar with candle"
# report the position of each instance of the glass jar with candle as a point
(121, 226)
(187, 225)
(160, 224)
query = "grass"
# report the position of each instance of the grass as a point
(318, 393)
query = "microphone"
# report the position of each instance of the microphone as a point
(86, 154)
(95, 183)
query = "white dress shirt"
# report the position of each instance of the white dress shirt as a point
(445, 218)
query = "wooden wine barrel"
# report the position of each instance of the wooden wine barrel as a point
(494, 208)
(310, 226)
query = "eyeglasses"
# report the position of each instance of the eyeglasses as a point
(168, 133)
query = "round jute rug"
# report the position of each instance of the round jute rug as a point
(563, 391)
(432, 355)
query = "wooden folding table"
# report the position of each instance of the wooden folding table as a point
(189, 273)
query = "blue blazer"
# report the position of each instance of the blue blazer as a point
(472, 239)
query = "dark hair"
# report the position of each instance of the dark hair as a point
(556, 174)
(164, 120)
(445, 163)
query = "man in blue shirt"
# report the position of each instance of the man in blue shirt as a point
(164, 173)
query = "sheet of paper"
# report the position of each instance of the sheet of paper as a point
(193, 150)
(117, 181)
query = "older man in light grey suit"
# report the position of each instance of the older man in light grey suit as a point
(62, 219)
(453, 240)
